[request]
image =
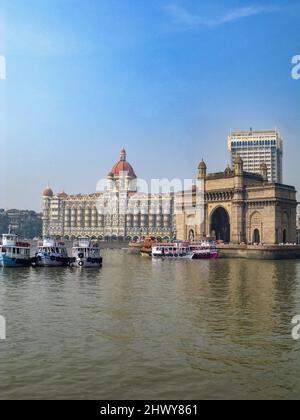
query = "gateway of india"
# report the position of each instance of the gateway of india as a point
(238, 206)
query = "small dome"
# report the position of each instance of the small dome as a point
(202, 165)
(122, 166)
(228, 170)
(48, 192)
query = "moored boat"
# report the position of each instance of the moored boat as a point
(51, 253)
(205, 249)
(86, 254)
(14, 253)
(142, 244)
(146, 251)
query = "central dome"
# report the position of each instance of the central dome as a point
(122, 166)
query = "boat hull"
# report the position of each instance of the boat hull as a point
(14, 262)
(86, 262)
(46, 261)
(187, 256)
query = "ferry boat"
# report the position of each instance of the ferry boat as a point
(143, 246)
(14, 253)
(51, 253)
(146, 251)
(186, 250)
(86, 253)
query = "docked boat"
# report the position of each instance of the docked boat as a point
(86, 253)
(51, 253)
(14, 253)
(146, 250)
(186, 250)
(140, 246)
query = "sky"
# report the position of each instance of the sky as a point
(166, 79)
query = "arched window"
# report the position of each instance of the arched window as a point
(191, 235)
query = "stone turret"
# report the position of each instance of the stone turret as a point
(238, 211)
(238, 166)
(202, 170)
(264, 171)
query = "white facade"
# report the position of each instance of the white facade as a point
(257, 147)
(102, 215)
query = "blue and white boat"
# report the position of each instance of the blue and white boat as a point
(14, 253)
(86, 254)
(51, 253)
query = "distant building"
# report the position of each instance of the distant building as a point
(25, 223)
(257, 147)
(72, 216)
(238, 207)
(4, 222)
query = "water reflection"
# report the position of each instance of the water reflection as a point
(139, 328)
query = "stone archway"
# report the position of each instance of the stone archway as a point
(191, 235)
(285, 228)
(284, 236)
(220, 225)
(256, 228)
(256, 236)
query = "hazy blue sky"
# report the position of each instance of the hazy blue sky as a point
(166, 79)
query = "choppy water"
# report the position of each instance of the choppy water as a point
(151, 329)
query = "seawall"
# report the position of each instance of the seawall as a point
(259, 252)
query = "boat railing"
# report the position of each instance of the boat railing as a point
(23, 244)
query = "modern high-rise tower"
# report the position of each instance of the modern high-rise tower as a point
(257, 147)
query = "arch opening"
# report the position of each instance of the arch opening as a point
(284, 236)
(191, 235)
(256, 236)
(220, 225)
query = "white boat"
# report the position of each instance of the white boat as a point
(205, 249)
(14, 253)
(85, 254)
(51, 253)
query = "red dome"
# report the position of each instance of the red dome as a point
(122, 166)
(48, 192)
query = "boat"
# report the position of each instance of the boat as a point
(205, 249)
(86, 253)
(14, 253)
(139, 245)
(51, 253)
(146, 251)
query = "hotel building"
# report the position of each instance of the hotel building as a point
(257, 147)
(101, 215)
